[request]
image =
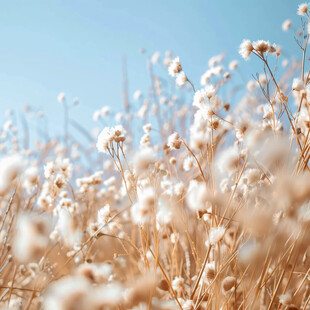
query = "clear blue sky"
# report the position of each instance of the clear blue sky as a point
(76, 46)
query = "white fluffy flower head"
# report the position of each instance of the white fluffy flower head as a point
(286, 25)
(181, 79)
(216, 234)
(109, 135)
(303, 9)
(61, 97)
(298, 85)
(175, 67)
(246, 49)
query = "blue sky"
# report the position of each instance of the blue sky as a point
(76, 46)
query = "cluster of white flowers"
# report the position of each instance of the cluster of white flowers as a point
(94, 179)
(174, 141)
(76, 292)
(260, 47)
(216, 70)
(202, 97)
(161, 221)
(175, 70)
(109, 135)
(103, 112)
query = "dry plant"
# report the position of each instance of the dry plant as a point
(208, 209)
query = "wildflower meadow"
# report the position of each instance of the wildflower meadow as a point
(181, 199)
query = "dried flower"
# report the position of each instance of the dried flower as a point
(298, 85)
(32, 237)
(181, 79)
(228, 284)
(216, 234)
(261, 46)
(178, 284)
(302, 9)
(233, 65)
(61, 97)
(286, 25)
(10, 168)
(175, 67)
(246, 49)
(174, 141)
(286, 299)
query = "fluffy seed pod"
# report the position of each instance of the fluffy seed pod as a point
(227, 284)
